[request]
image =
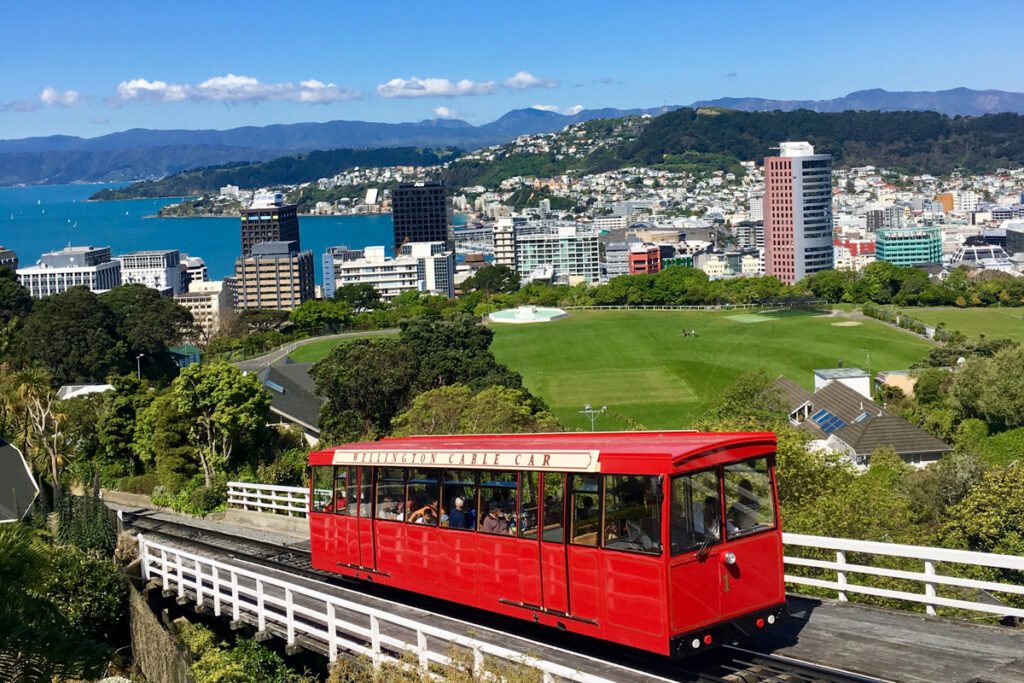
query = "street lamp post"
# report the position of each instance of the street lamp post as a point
(138, 365)
(592, 413)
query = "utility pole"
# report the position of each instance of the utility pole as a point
(138, 365)
(592, 413)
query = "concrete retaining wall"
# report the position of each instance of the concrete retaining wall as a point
(282, 524)
(158, 654)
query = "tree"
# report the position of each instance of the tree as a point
(318, 314)
(74, 336)
(991, 517)
(365, 382)
(257, 320)
(226, 409)
(162, 440)
(456, 409)
(45, 423)
(360, 297)
(751, 402)
(149, 323)
(118, 421)
(993, 388)
(37, 642)
(495, 279)
(15, 304)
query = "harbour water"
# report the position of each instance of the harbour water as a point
(44, 218)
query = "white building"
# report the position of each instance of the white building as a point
(333, 255)
(756, 208)
(505, 240)
(159, 270)
(607, 223)
(207, 302)
(421, 267)
(616, 258)
(194, 269)
(230, 191)
(570, 249)
(966, 201)
(58, 271)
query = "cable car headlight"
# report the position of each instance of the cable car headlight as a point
(730, 558)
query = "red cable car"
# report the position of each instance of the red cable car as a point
(666, 541)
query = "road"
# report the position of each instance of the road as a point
(260, 362)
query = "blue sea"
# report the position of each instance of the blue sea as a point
(44, 218)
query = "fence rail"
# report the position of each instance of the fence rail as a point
(933, 560)
(294, 500)
(281, 500)
(295, 611)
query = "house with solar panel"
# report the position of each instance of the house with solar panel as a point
(841, 417)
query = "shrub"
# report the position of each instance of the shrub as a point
(141, 483)
(216, 661)
(287, 470)
(91, 592)
(194, 498)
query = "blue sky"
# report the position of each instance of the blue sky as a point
(90, 68)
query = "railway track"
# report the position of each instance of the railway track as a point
(727, 664)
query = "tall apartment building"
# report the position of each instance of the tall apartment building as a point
(505, 240)
(328, 260)
(58, 271)
(749, 234)
(616, 259)
(797, 212)
(421, 212)
(8, 259)
(207, 302)
(909, 246)
(966, 201)
(274, 275)
(644, 258)
(194, 270)
(874, 219)
(567, 252)
(894, 217)
(269, 219)
(756, 211)
(420, 266)
(160, 270)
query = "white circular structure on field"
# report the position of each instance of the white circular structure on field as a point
(527, 314)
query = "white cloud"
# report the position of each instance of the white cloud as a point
(524, 80)
(62, 98)
(545, 107)
(445, 113)
(443, 87)
(572, 111)
(21, 106)
(230, 89)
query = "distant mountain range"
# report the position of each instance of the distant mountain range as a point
(955, 102)
(143, 153)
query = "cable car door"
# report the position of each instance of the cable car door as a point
(553, 559)
(367, 556)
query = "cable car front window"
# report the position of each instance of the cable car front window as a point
(695, 521)
(748, 497)
(323, 481)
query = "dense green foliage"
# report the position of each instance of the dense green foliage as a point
(244, 661)
(456, 409)
(286, 170)
(91, 592)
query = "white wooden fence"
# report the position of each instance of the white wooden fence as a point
(280, 500)
(294, 611)
(272, 498)
(929, 578)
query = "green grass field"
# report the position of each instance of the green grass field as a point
(639, 364)
(992, 322)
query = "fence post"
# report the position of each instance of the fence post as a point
(236, 609)
(375, 642)
(163, 569)
(289, 611)
(215, 573)
(421, 650)
(929, 588)
(261, 613)
(180, 567)
(143, 558)
(478, 662)
(841, 575)
(199, 583)
(332, 633)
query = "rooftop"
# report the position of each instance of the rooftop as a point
(840, 373)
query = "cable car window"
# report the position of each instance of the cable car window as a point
(352, 491)
(459, 500)
(323, 481)
(696, 512)
(390, 493)
(748, 497)
(341, 498)
(528, 508)
(554, 507)
(586, 514)
(632, 513)
(498, 502)
(421, 498)
(365, 491)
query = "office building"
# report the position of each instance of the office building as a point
(909, 246)
(269, 219)
(274, 275)
(194, 270)
(616, 259)
(609, 223)
(159, 270)
(894, 217)
(420, 266)
(566, 252)
(8, 259)
(328, 260)
(874, 219)
(505, 240)
(58, 271)
(644, 258)
(756, 212)
(421, 212)
(797, 212)
(207, 302)
(749, 234)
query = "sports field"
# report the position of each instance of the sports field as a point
(992, 322)
(640, 365)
